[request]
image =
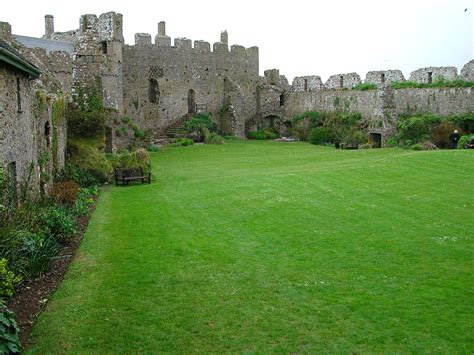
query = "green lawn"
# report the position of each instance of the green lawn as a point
(264, 246)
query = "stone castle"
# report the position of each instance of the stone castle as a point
(159, 83)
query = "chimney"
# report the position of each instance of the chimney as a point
(48, 26)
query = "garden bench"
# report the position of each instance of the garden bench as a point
(125, 175)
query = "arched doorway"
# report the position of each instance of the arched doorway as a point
(191, 101)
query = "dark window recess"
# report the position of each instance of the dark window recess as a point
(18, 94)
(341, 81)
(382, 78)
(47, 133)
(153, 91)
(430, 77)
(282, 100)
(104, 47)
(191, 101)
(305, 84)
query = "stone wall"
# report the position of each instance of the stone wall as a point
(161, 82)
(307, 83)
(18, 147)
(384, 77)
(339, 81)
(431, 74)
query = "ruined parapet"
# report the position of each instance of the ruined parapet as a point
(225, 37)
(202, 46)
(142, 39)
(343, 81)
(87, 22)
(110, 27)
(220, 48)
(384, 77)
(162, 28)
(307, 83)
(433, 74)
(161, 39)
(183, 43)
(253, 60)
(48, 26)
(272, 76)
(467, 71)
(238, 50)
(5, 31)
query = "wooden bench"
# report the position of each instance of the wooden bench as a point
(131, 174)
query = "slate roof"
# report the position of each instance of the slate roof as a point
(10, 55)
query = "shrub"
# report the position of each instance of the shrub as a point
(440, 134)
(64, 192)
(365, 86)
(438, 83)
(465, 122)
(214, 138)
(200, 121)
(74, 173)
(82, 123)
(121, 131)
(321, 135)
(182, 142)
(416, 146)
(9, 341)
(60, 222)
(126, 119)
(427, 145)
(262, 134)
(416, 128)
(8, 280)
(38, 252)
(87, 157)
(84, 201)
(464, 141)
(153, 148)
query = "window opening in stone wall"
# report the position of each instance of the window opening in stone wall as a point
(47, 133)
(104, 47)
(282, 100)
(153, 91)
(191, 101)
(430, 77)
(382, 78)
(341, 81)
(18, 94)
(305, 84)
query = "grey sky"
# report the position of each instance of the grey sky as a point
(298, 37)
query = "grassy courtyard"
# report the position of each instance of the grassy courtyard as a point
(264, 246)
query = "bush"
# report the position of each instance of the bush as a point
(416, 146)
(8, 280)
(84, 201)
(200, 121)
(9, 341)
(321, 135)
(416, 128)
(182, 142)
(82, 123)
(465, 122)
(262, 134)
(153, 148)
(440, 134)
(365, 86)
(74, 173)
(87, 157)
(438, 83)
(64, 192)
(139, 158)
(214, 138)
(464, 141)
(38, 252)
(428, 146)
(60, 222)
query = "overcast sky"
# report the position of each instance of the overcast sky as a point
(299, 37)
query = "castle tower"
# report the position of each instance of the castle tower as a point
(161, 39)
(224, 37)
(48, 26)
